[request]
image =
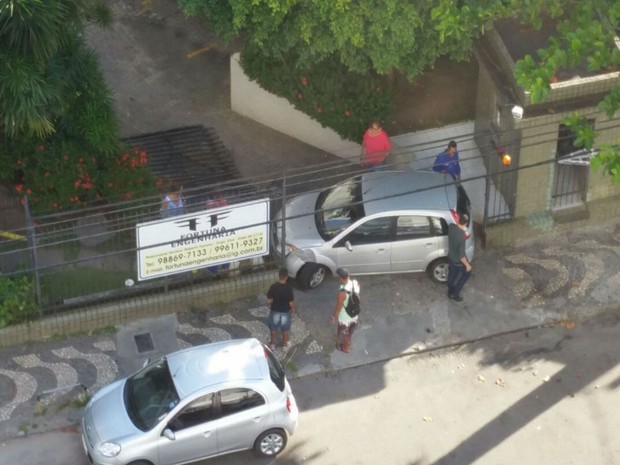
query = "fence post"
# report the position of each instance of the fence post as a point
(32, 246)
(283, 242)
(487, 194)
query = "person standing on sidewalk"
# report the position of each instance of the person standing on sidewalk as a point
(376, 146)
(346, 323)
(459, 268)
(281, 301)
(448, 162)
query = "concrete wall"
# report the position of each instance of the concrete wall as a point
(249, 99)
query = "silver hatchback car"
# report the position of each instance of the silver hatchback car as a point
(373, 223)
(193, 404)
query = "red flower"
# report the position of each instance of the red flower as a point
(19, 187)
(158, 182)
(28, 192)
(22, 201)
(347, 113)
(81, 160)
(87, 185)
(319, 109)
(304, 81)
(55, 204)
(299, 95)
(65, 158)
(46, 174)
(41, 147)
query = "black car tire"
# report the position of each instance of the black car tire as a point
(438, 270)
(312, 275)
(270, 443)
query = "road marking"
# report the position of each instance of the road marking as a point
(195, 53)
(12, 236)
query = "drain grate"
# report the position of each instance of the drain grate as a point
(144, 342)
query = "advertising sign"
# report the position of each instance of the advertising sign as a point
(205, 238)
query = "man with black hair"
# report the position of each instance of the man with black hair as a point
(459, 268)
(281, 301)
(448, 162)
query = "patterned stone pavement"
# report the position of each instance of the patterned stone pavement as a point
(35, 380)
(43, 386)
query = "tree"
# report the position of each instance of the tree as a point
(386, 36)
(59, 140)
(586, 33)
(46, 70)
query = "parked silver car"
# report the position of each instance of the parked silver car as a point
(193, 404)
(373, 223)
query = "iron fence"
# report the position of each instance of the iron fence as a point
(71, 262)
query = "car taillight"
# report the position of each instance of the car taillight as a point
(455, 216)
(288, 404)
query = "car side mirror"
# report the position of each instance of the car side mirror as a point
(348, 245)
(168, 434)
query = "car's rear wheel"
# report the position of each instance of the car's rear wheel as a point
(312, 275)
(270, 443)
(438, 270)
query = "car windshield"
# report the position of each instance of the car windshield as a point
(150, 394)
(339, 207)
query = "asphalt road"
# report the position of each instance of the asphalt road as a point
(544, 396)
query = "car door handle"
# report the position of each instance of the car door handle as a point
(206, 434)
(429, 244)
(256, 419)
(381, 250)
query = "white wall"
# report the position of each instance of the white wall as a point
(249, 99)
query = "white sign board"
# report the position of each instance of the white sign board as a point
(205, 238)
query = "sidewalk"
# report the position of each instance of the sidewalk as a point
(555, 280)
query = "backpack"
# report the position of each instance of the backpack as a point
(353, 306)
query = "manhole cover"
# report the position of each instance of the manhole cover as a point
(144, 342)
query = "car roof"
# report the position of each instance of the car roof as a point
(404, 190)
(209, 364)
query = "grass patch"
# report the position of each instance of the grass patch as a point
(80, 282)
(77, 403)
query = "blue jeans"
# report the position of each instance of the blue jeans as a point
(279, 320)
(457, 277)
(215, 268)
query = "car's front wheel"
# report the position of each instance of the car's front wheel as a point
(312, 275)
(438, 270)
(270, 443)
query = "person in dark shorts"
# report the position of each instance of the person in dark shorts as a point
(281, 302)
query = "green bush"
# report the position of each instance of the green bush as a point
(17, 300)
(339, 99)
(59, 173)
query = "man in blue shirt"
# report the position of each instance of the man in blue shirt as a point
(448, 162)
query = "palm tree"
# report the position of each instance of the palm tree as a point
(49, 79)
